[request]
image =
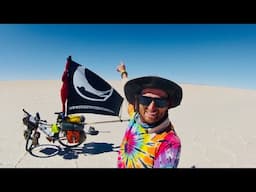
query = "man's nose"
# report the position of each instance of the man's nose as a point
(152, 105)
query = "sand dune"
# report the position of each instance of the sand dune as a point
(216, 126)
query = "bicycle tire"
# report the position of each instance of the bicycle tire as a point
(32, 140)
(29, 141)
(63, 139)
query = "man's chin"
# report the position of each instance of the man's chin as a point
(151, 120)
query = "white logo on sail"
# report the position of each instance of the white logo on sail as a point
(80, 81)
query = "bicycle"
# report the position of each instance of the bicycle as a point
(68, 130)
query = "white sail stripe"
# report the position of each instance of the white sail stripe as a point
(90, 107)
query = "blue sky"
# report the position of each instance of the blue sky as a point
(204, 54)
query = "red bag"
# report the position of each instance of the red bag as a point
(73, 136)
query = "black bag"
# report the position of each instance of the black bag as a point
(66, 126)
(30, 122)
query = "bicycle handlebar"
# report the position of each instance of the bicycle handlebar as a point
(36, 117)
(26, 112)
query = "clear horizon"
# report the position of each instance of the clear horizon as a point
(200, 54)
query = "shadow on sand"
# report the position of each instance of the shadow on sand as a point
(93, 148)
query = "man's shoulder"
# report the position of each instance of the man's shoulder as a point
(173, 138)
(131, 111)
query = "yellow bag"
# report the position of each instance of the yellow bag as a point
(75, 119)
(54, 128)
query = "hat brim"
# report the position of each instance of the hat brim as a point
(135, 86)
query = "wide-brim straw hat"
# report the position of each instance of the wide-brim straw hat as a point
(134, 87)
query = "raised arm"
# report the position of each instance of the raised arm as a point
(121, 68)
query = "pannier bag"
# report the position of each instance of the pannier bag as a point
(66, 126)
(75, 118)
(73, 136)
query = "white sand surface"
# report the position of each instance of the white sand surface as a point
(216, 126)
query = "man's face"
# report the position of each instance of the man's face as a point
(153, 104)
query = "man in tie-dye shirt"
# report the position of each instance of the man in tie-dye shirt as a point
(150, 140)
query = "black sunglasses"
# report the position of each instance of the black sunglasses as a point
(159, 102)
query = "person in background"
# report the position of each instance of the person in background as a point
(150, 140)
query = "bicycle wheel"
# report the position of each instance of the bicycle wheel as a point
(28, 137)
(31, 139)
(71, 140)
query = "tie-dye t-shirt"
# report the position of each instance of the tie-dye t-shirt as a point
(140, 149)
